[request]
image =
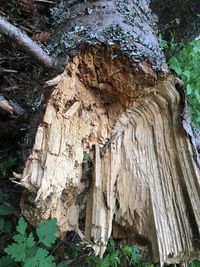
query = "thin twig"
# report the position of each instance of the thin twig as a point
(32, 47)
(8, 70)
(45, 1)
(10, 88)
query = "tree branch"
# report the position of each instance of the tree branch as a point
(15, 34)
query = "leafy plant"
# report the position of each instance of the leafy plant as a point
(194, 264)
(14, 8)
(28, 250)
(32, 250)
(169, 47)
(123, 256)
(114, 254)
(186, 65)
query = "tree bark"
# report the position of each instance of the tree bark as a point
(114, 153)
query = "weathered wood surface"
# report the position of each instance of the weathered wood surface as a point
(112, 155)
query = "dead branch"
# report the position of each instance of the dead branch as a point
(15, 34)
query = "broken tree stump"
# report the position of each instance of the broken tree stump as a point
(114, 153)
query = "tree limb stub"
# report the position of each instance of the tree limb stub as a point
(111, 156)
(31, 47)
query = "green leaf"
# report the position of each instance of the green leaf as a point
(22, 225)
(197, 95)
(175, 65)
(6, 261)
(17, 251)
(41, 259)
(136, 255)
(186, 75)
(195, 263)
(6, 210)
(105, 262)
(19, 238)
(46, 232)
(30, 242)
(189, 89)
(111, 247)
(127, 250)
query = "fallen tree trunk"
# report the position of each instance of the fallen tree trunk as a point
(114, 153)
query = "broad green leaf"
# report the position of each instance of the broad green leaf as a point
(111, 247)
(22, 225)
(41, 259)
(105, 262)
(46, 232)
(188, 89)
(30, 242)
(19, 238)
(127, 250)
(6, 210)
(186, 74)
(17, 251)
(186, 64)
(175, 65)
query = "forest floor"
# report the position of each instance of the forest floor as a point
(21, 83)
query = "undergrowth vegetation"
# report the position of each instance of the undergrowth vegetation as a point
(35, 249)
(38, 248)
(185, 62)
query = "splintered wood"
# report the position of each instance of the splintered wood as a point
(111, 159)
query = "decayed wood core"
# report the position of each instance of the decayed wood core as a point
(110, 155)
